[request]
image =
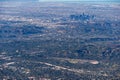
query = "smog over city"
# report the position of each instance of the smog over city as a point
(59, 39)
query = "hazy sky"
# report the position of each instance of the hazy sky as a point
(80, 0)
(66, 0)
